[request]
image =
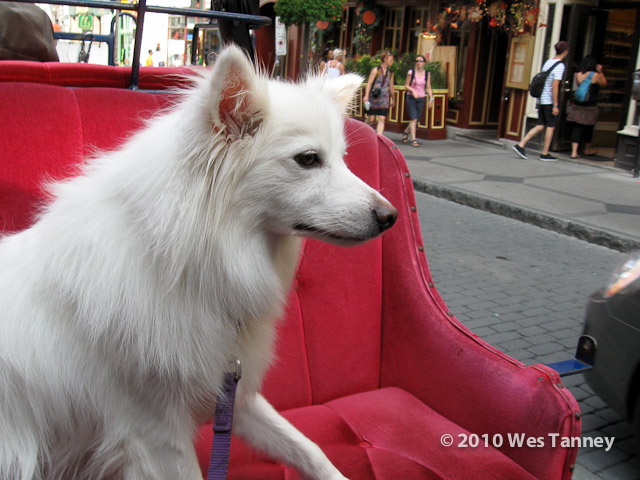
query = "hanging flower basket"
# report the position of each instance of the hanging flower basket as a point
(517, 16)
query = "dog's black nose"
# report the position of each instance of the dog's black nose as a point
(386, 216)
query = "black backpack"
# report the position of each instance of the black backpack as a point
(537, 82)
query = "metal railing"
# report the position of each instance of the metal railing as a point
(230, 21)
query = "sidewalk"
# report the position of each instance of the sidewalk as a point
(585, 199)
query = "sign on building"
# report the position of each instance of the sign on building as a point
(281, 38)
(85, 22)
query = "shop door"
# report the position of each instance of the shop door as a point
(582, 27)
(489, 65)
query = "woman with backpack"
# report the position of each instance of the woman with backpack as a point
(418, 86)
(379, 93)
(584, 111)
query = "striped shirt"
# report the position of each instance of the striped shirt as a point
(547, 93)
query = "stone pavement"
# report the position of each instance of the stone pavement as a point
(585, 199)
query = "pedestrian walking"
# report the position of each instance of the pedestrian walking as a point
(335, 67)
(418, 87)
(548, 107)
(327, 56)
(584, 114)
(379, 93)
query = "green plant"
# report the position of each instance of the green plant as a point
(365, 63)
(368, 63)
(303, 13)
(438, 77)
(300, 12)
(362, 65)
(403, 64)
(407, 62)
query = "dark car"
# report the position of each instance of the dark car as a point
(613, 322)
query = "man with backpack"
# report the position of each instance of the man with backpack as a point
(548, 109)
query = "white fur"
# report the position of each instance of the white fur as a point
(121, 308)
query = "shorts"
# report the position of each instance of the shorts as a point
(415, 106)
(383, 112)
(546, 116)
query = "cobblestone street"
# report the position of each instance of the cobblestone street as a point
(524, 290)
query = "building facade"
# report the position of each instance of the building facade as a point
(493, 50)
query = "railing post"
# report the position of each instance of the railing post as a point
(135, 66)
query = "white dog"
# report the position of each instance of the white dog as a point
(122, 307)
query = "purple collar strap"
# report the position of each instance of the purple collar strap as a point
(219, 461)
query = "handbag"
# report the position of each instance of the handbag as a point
(581, 95)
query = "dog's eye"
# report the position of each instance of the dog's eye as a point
(308, 159)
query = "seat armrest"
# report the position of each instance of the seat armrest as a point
(428, 352)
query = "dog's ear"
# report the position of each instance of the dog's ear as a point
(238, 98)
(342, 89)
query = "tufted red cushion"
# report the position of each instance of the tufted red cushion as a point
(383, 433)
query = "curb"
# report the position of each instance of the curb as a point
(543, 220)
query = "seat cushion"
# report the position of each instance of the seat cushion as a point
(380, 434)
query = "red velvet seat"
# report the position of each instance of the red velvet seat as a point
(371, 363)
(382, 433)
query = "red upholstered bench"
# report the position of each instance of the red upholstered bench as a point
(371, 363)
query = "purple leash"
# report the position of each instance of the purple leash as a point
(219, 461)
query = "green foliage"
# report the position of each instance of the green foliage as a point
(404, 63)
(408, 61)
(438, 77)
(300, 12)
(362, 65)
(365, 63)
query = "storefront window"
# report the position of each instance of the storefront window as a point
(616, 58)
(177, 27)
(392, 29)
(418, 21)
(459, 39)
